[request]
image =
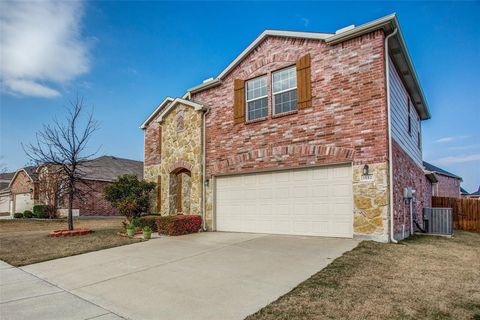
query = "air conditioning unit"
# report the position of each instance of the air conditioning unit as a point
(438, 221)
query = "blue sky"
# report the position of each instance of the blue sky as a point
(125, 57)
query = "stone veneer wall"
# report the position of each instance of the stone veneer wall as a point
(179, 148)
(370, 199)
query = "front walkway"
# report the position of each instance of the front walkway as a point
(24, 296)
(211, 275)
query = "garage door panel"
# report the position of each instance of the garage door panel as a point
(23, 201)
(314, 201)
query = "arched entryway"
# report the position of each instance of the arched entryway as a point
(180, 190)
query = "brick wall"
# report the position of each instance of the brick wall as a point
(22, 183)
(447, 186)
(346, 123)
(152, 144)
(93, 203)
(406, 173)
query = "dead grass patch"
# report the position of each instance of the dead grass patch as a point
(25, 242)
(421, 278)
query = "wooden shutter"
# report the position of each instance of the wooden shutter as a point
(304, 82)
(239, 101)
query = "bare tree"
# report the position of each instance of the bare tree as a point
(64, 146)
(3, 166)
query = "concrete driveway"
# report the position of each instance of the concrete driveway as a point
(213, 275)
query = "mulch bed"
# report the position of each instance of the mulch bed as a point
(67, 233)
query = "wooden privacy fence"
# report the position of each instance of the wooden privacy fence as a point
(466, 212)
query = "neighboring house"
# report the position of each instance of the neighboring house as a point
(5, 179)
(293, 138)
(27, 187)
(446, 185)
(464, 193)
(475, 195)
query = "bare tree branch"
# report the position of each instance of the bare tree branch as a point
(63, 145)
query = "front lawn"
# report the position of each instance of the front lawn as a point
(25, 242)
(423, 277)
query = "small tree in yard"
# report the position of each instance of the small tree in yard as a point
(63, 145)
(129, 195)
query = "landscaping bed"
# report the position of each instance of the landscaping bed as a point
(420, 278)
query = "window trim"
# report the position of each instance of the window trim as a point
(409, 116)
(247, 119)
(283, 91)
(419, 133)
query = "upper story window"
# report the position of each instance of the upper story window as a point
(419, 134)
(409, 115)
(257, 98)
(284, 84)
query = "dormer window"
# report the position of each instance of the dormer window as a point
(257, 98)
(284, 83)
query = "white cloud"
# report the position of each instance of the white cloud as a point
(452, 138)
(458, 159)
(466, 147)
(41, 46)
(30, 88)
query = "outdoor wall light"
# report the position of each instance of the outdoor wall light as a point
(365, 170)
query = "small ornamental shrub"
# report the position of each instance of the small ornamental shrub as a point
(179, 225)
(40, 211)
(18, 215)
(150, 221)
(130, 226)
(147, 229)
(129, 195)
(27, 214)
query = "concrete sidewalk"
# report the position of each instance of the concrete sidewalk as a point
(25, 296)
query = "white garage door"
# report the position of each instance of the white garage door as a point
(5, 204)
(314, 201)
(23, 201)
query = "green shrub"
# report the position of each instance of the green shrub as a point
(40, 211)
(129, 195)
(150, 221)
(130, 226)
(27, 214)
(18, 215)
(147, 229)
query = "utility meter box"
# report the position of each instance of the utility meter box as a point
(408, 193)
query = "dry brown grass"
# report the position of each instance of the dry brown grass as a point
(421, 278)
(25, 242)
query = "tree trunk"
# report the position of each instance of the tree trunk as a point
(70, 208)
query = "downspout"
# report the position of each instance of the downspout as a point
(390, 162)
(204, 180)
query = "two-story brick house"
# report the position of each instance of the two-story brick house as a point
(303, 133)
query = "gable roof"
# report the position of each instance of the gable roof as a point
(31, 173)
(162, 105)
(166, 106)
(399, 53)
(432, 168)
(463, 191)
(108, 168)
(388, 24)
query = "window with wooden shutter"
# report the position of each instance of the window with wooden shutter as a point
(304, 82)
(239, 101)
